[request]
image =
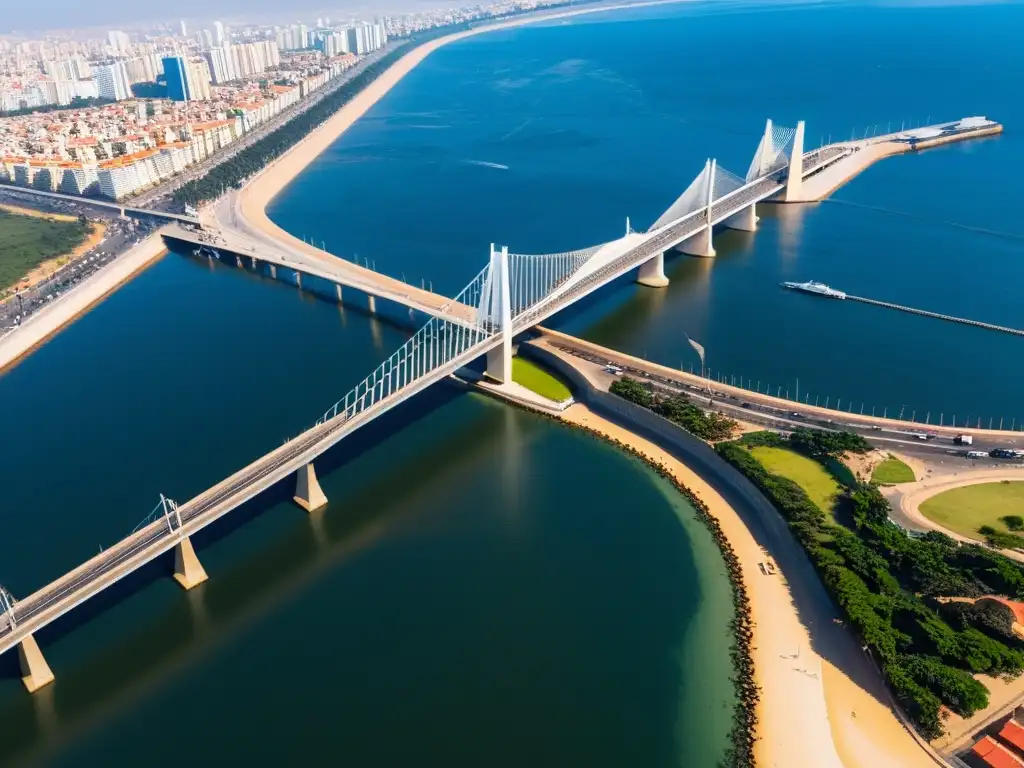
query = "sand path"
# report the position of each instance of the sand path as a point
(914, 495)
(806, 709)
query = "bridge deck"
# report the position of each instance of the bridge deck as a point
(323, 265)
(100, 203)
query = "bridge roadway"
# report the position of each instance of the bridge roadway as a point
(325, 266)
(155, 539)
(121, 209)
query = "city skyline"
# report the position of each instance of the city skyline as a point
(73, 17)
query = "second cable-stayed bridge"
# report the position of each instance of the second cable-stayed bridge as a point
(511, 294)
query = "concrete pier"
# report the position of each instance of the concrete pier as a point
(652, 272)
(371, 301)
(188, 571)
(337, 290)
(795, 176)
(35, 672)
(238, 261)
(698, 245)
(298, 279)
(308, 493)
(273, 270)
(745, 220)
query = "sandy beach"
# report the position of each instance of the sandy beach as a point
(260, 191)
(823, 702)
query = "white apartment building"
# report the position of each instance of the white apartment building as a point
(112, 81)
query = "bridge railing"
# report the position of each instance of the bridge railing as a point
(435, 344)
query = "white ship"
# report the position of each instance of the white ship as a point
(814, 287)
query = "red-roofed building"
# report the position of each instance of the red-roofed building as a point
(994, 754)
(1013, 734)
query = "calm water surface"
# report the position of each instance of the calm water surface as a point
(547, 138)
(484, 586)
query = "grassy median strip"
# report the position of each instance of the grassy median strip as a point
(536, 379)
(892, 470)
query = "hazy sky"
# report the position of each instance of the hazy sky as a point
(18, 15)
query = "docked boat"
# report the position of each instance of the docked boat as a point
(815, 287)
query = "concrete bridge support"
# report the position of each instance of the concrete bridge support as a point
(499, 311)
(698, 245)
(745, 220)
(238, 261)
(273, 271)
(795, 178)
(308, 493)
(188, 571)
(337, 290)
(298, 279)
(372, 303)
(652, 272)
(35, 672)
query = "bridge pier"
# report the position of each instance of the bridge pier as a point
(188, 571)
(795, 177)
(499, 311)
(337, 290)
(35, 672)
(238, 261)
(308, 493)
(652, 272)
(745, 220)
(273, 271)
(298, 279)
(371, 301)
(698, 245)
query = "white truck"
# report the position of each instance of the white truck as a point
(963, 439)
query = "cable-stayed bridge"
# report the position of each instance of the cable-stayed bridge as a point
(511, 294)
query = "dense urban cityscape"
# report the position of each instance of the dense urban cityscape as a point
(114, 117)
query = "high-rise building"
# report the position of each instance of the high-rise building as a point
(198, 79)
(184, 29)
(119, 41)
(175, 74)
(112, 81)
(218, 33)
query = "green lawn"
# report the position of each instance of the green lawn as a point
(965, 510)
(28, 241)
(535, 378)
(892, 470)
(807, 473)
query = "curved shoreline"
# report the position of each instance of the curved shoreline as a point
(252, 201)
(744, 733)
